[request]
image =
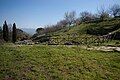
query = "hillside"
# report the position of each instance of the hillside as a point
(86, 33)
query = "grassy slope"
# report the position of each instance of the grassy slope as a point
(57, 63)
(79, 34)
(81, 29)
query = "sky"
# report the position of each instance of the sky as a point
(38, 13)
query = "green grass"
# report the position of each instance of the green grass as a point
(40, 62)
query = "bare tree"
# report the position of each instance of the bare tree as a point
(78, 21)
(103, 14)
(47, 29)
(70, 17)
(62, 23)
(86, 16)
(10, 31)
(115, 10)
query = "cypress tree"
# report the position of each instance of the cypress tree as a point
(5, 32)
(0, 29)
(14, 33)
(1, 33)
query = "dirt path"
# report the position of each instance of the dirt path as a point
(105, 48)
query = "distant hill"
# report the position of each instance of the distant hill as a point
(30, 31)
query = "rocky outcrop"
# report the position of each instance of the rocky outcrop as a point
(113, 35)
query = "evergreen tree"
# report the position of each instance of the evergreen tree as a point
(14, 33)
(0, 30)
(5, 32)
(0, 33)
